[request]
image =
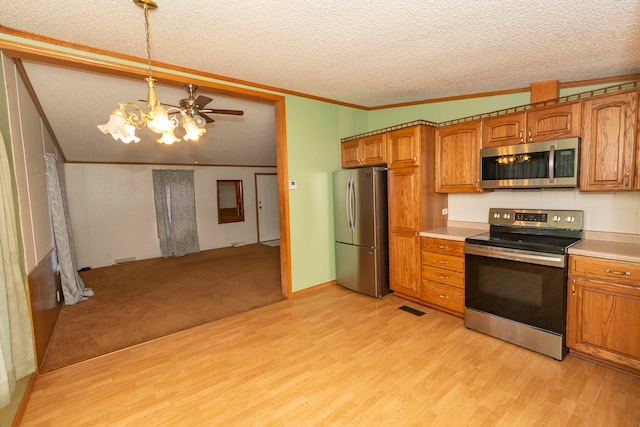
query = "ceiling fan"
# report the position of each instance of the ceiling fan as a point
(195, 106)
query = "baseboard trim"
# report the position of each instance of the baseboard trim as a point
(22, 408)
(314, 288)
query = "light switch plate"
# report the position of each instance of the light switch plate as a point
(293, 185)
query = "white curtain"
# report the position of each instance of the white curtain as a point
(73, 287)
(17, 357)
(175, 200)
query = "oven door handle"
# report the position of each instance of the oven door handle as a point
(551, 260)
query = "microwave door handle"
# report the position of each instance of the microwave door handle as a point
(552, 163)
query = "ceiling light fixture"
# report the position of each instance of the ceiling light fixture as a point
(124, 120)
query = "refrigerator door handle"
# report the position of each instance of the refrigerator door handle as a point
(346, 204)
(352, 208)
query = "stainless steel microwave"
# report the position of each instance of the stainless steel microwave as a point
(531, 165)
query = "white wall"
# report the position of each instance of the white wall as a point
(29, 140)
(113, 213)
(609, 212)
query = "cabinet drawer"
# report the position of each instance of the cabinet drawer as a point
(444, 296)
(448, 262)
(604, 270)
(446, 277)
(442, 246)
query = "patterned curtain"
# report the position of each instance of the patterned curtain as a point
(174, 195)
(16, 348)
(73, 287)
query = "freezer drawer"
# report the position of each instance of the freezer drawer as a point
(358, 269)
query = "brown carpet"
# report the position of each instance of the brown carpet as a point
(143, 300)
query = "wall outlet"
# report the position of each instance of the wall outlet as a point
(445, 211)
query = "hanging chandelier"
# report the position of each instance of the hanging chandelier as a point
(128, 117)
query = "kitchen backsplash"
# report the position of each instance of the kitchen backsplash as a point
(607, 212)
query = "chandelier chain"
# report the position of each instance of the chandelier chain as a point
(146, 29)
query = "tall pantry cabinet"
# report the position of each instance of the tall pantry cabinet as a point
(414, 206)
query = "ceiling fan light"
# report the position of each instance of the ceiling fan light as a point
(168, 138)
(200, 121)
(115, 126)
(193, 132)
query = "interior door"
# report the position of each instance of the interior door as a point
(268, 218)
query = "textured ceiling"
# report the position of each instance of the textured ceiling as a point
(359, 52)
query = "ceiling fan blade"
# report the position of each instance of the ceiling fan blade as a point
(217, 111)
(201, 101)
(207, 118)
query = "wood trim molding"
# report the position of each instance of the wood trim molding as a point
(314, 288)
(22, 408)
(83, 60)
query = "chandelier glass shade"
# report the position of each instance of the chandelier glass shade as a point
(128, 117)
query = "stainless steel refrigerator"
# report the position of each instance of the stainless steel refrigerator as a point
(360, 217)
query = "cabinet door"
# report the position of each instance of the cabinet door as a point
(404, 222)
(608, 143)
(350, 153)
(547, 124)
(503, 130)
(458, 158)
(404, 147)
(374, 149)
(603, 321)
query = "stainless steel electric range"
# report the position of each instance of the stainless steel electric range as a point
(516, 277)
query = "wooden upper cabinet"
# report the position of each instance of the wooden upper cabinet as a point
(367, 151)
(503, 130)
(547, 124)
(404, 147)
(457, 158)
(536, 125)
(350, 153)
(608, 158)
(374, 149)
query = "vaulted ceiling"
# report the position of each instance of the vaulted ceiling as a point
(357, 52)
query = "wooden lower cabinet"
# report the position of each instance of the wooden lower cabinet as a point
(442, 274)
(603, 311)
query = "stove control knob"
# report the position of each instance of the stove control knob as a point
(557, 218)
(506, 216)
(496, 215)
(570, 219)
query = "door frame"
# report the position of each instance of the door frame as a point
(74, 56)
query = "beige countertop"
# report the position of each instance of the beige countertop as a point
(608, 249)
(453, 233)
(614, 246)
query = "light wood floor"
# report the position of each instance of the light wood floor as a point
(333, 357)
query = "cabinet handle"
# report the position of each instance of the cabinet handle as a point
(626, 181)
(573, 286)
(415, 157)
(417, 234)
(443, 296)
(530, 132)
(477, 185)
(441, 261)
(618, 273)
(443, 247)
(521, 135)
(440, 276)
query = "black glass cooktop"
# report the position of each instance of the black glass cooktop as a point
(524, 241)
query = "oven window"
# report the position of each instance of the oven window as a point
(531, 294)
(525, 287)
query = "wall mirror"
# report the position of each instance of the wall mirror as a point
(230, 201)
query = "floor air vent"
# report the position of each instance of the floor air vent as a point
(411, 310)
